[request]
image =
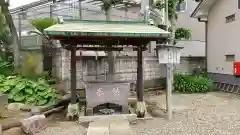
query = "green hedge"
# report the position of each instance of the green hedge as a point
(192, 83)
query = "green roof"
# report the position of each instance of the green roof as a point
(106, 28)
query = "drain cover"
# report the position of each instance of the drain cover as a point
(106, 111)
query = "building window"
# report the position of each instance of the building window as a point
(230, 18)
(238, 4)
(181, 7)
(230, 57)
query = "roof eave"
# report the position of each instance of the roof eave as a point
(202, 9)
(197, 9)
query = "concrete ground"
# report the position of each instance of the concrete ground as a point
(213, 113)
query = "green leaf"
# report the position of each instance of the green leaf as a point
(20, 86)
(5, 89)
(42, 93)
(10, 82)
(12, 93)
(29, 91)
(42, 101)
(19, 97)
(30, 100)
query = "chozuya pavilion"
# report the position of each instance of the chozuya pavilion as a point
(105, 36)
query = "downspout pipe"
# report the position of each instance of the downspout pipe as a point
(206, 41)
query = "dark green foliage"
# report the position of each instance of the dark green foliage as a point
(42, 23)
(26, 91)
(172, 11)
(6, 68)
(182, 33)
(192, 83)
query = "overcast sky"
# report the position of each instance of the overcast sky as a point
(17, 3)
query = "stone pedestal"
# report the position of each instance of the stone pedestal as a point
(73, 111)
(141, 109)
(3, 105)
(102, 92)
(89, 111)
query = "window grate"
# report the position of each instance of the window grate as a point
(238, 4)
(230, 18)
(230, 57)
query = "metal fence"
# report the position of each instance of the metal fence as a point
(68, 9)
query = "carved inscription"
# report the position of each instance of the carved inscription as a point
(100, 93)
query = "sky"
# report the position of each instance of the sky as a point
(17, 3)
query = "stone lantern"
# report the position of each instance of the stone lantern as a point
(169, 55)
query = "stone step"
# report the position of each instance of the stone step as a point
(120, 127)
(109, 127)
(128, 117)
(98, 128)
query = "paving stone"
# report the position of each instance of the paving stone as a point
(98, 128)
(15, 106)
(13, 131)
(129, 117)
(34, 124)
(120, 127)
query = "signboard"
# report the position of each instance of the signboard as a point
(101, 93)
(169, 55)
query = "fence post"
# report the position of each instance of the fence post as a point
(80, 9)
(20, 28)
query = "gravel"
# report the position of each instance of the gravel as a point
(196, 114)
(64, 128)
(214, 113)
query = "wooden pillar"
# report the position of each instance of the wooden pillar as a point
(169, 90)
(141, 107)
(73, 75)
(139, 74)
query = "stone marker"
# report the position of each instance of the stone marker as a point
(36, 110)
(13, 131)
(98, 128)
(129, 117)
(15, 106)
(120, 127)
(3, 105)
(34, 124)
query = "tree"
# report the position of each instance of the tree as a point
(5, 36)
(14, 36)
(40, 25)
(106, 6)
(173, 16)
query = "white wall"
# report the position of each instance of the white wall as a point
(223, 38)
(185, 21)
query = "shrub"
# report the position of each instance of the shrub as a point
(192, 83)
(26, 91)
(6, 68)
